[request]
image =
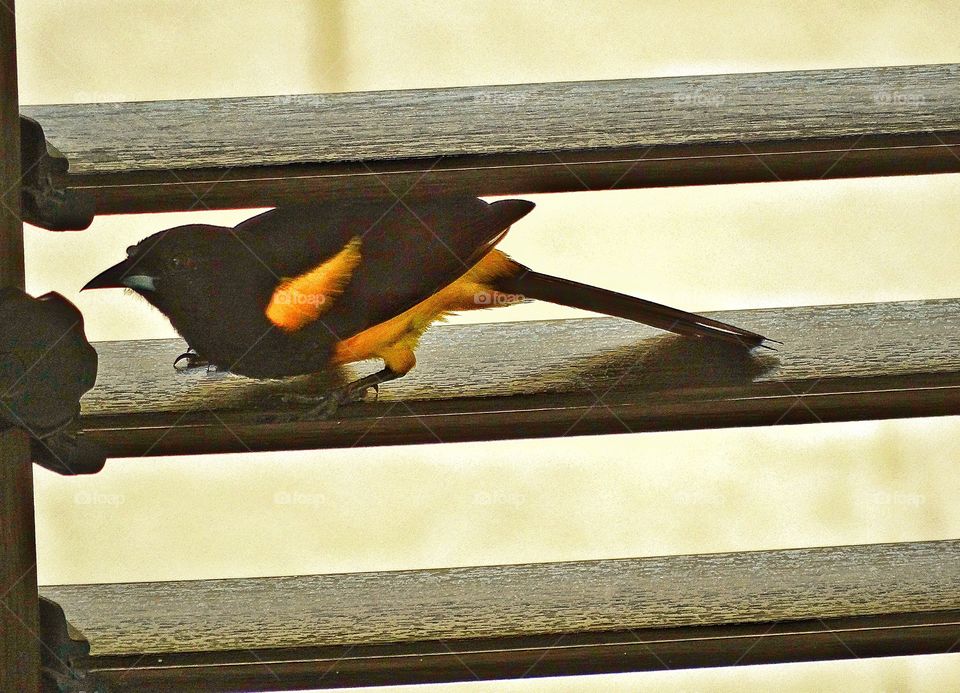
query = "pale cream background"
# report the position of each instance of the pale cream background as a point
(413, 507)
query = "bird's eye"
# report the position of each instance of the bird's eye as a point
(183, 262)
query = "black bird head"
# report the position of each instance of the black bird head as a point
(172, 266)
(209, 284)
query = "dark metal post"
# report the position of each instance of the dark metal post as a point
(19, 644)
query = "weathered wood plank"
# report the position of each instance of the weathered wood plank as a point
(19, 649)
(11, 229)
(516, 139)
(555, 378)
(531, 657)
(19, 646)
(540, 619)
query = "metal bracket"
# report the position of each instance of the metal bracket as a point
(62, 646)
(42, 203)
(46, 365)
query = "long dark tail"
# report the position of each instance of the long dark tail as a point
(543, 287)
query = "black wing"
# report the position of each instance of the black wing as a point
(409, 249)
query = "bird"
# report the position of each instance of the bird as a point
(311, 286)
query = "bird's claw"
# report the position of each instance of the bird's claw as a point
(324, 407)
(193, 360)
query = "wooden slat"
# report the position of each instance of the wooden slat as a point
(247, 152)
(11, 228)
(19, 648)
(19, 626)
(521, 620)
(555, 378)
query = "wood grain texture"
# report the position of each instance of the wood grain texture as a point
(11, 229)
(586, 616)
(19, 649)
(516, 139)
(19, 625)
(533, 656)
(554, 378)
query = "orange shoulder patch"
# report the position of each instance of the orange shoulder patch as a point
(299, 301)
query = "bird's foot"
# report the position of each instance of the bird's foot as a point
(322, 407)
(348, 394)
(325, 406)
(191, 359)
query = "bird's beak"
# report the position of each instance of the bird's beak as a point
(120, 276)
